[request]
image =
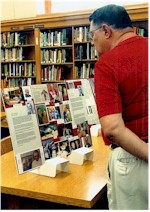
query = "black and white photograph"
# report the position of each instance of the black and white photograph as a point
(47, 146)
(80, 90)
(65, 131)
(71, 85)
(89, 109)
(26, 92)
(30, 107)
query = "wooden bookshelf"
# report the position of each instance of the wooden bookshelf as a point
(48, 55)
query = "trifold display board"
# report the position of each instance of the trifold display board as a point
(49, 120)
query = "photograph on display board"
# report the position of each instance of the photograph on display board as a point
(63, 91)
(45, 94)
(27, 92)
(48, 131)
(53, 113)
(47, 146)
(87, 141)
(75, 143)
(70, 85)
(60, 91)
(80, 90)
(89, 109)
(66, 113)
(53, 93)
(91, 80)
(55, 149)
(59, 127)
(40, 93)
(82, 129)
(31, 159)
(30, 107)
(12, 96)
(63, 149)
(65, 131)
(41, 114)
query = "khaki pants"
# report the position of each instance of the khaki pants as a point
(127, 181)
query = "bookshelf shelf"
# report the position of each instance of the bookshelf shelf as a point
(59, 64)
(56, 47)
(19, 61)
(17, 46)
(52, 81)
(59, 37)
(20, 76)
(85, 42)
(86, 60)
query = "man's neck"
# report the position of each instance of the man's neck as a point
(120, 36)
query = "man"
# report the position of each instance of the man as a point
(27, 94)
(121, 87)
(36, 159)
(40, 116)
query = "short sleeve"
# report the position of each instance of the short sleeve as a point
(107, 92)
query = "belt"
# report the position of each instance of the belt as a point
(114, 146)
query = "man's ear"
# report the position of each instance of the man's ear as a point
(107, 30)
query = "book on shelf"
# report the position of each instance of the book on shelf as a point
(53, 38)
(139, 31)
(84, 71)
(10, 39)
(54, 56)
(81, 34)
(15, 82)
(52, 73)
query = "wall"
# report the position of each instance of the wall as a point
(15, 9)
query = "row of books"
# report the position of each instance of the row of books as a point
(81, 34)
(85, 71)
(9, 39)
(17, 82)
(55, 56)
(12, 54)
(140, 31)
(85, 52)
(53, 38)
(52, 73)
(17, 69)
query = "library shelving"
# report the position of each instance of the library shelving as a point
(18, 58)
(51, 48)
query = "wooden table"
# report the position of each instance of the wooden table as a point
(81, 186)
(2, 114)
(3, 119)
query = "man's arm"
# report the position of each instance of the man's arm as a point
(114, 129)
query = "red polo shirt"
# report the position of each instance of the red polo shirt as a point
(121, 84)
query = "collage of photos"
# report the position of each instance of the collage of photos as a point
(55, 122)
(51, 105)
